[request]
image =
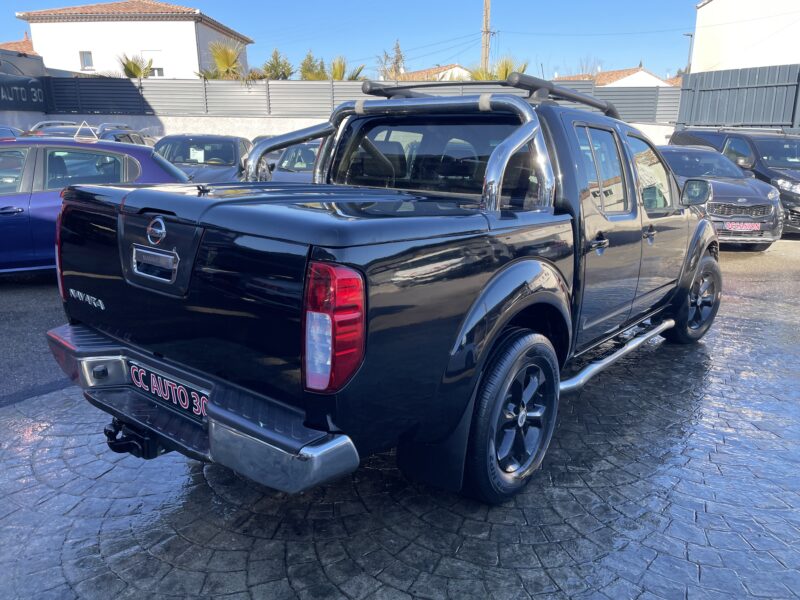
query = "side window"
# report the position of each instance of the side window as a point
(653, 178)
(67, 167)
(12, 164)
(603, 164)
(736, 148)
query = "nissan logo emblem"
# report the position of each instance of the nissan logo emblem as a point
(156, 231)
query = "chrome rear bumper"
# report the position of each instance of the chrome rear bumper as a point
(274, 449)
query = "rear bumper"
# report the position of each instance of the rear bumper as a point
(259, 438)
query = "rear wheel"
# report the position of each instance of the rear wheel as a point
(514, 418)
(699, 305)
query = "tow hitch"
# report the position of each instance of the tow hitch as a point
(124, 438)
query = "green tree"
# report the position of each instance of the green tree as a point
(135, 67)
(312, 68)
(226, 59)
(277, 67)
(338, 70)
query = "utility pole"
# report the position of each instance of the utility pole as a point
(486, 35)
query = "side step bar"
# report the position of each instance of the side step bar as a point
(578, 381)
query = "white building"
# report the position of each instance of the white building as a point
(738, 34)
(452, 72)
(91, 38)
(633, 77)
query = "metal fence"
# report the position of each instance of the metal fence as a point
(313, 99)
(756, 97)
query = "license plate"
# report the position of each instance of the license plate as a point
(738, 226)
(165, 389)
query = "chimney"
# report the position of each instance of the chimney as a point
(25, 37)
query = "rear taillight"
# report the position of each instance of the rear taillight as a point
(334, 324)
(59, 273)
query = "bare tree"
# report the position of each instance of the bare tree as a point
(392, 66)
(589, 65)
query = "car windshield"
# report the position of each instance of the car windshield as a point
(198, 151)
(694, 163)
(780, 153)
(299, 158)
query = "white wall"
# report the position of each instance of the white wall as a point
(658, 134)
(174, 41)
(639, 79)
(205, 36)
(738, 34)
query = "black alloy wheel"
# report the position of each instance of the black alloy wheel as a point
(515, 416)
(697, 307)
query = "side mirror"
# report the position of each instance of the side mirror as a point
(696, 192)
(271, 166)
(744, 162)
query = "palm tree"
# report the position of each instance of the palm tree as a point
(136, 67)
(226, 58)
(499, 71)
(338, 70)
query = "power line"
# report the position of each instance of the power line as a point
(440, 42)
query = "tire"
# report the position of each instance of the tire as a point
(505, 447)
(693, 320)
(763, 247)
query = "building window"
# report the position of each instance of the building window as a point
(156, 72)
(87, 64)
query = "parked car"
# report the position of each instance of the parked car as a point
(33, 172)
(112, 134)
(296, 163)
(206, 158)
(427, 296)
(771, 156)
(7, 131)
(743, 209)
(51, 123)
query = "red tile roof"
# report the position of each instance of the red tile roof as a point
(676, 81)
(25, 45)
(128, 10)
(604, 77)
(425, 74)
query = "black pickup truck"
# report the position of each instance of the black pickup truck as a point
(452, 258)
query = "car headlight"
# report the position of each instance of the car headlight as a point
(773, 194)
(787, 185)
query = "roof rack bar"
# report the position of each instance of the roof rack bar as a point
(534, 84)
(376, 88)
(539, 88)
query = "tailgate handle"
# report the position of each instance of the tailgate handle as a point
(159, 265)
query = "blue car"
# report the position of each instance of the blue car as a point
(34, 170)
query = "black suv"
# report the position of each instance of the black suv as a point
(771, 156)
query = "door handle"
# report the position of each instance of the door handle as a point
(11, 210)
(649, 233)
(599, 243)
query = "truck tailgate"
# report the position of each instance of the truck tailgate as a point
(141, 269)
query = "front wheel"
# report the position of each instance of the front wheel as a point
(514, 418)
(699, 304)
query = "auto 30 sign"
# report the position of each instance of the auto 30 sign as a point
(21, 93)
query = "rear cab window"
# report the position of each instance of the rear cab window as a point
(437, 155)
(602, 163)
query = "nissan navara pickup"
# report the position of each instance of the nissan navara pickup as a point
(435, 289)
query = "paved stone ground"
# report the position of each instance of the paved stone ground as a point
(676, 474)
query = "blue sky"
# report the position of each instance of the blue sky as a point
(553, 35)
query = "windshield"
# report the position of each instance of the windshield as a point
(702, 164)
(299, 158)
(437, 154)
(780, 153)
(198, 151)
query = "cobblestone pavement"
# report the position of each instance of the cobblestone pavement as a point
(675, 474)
